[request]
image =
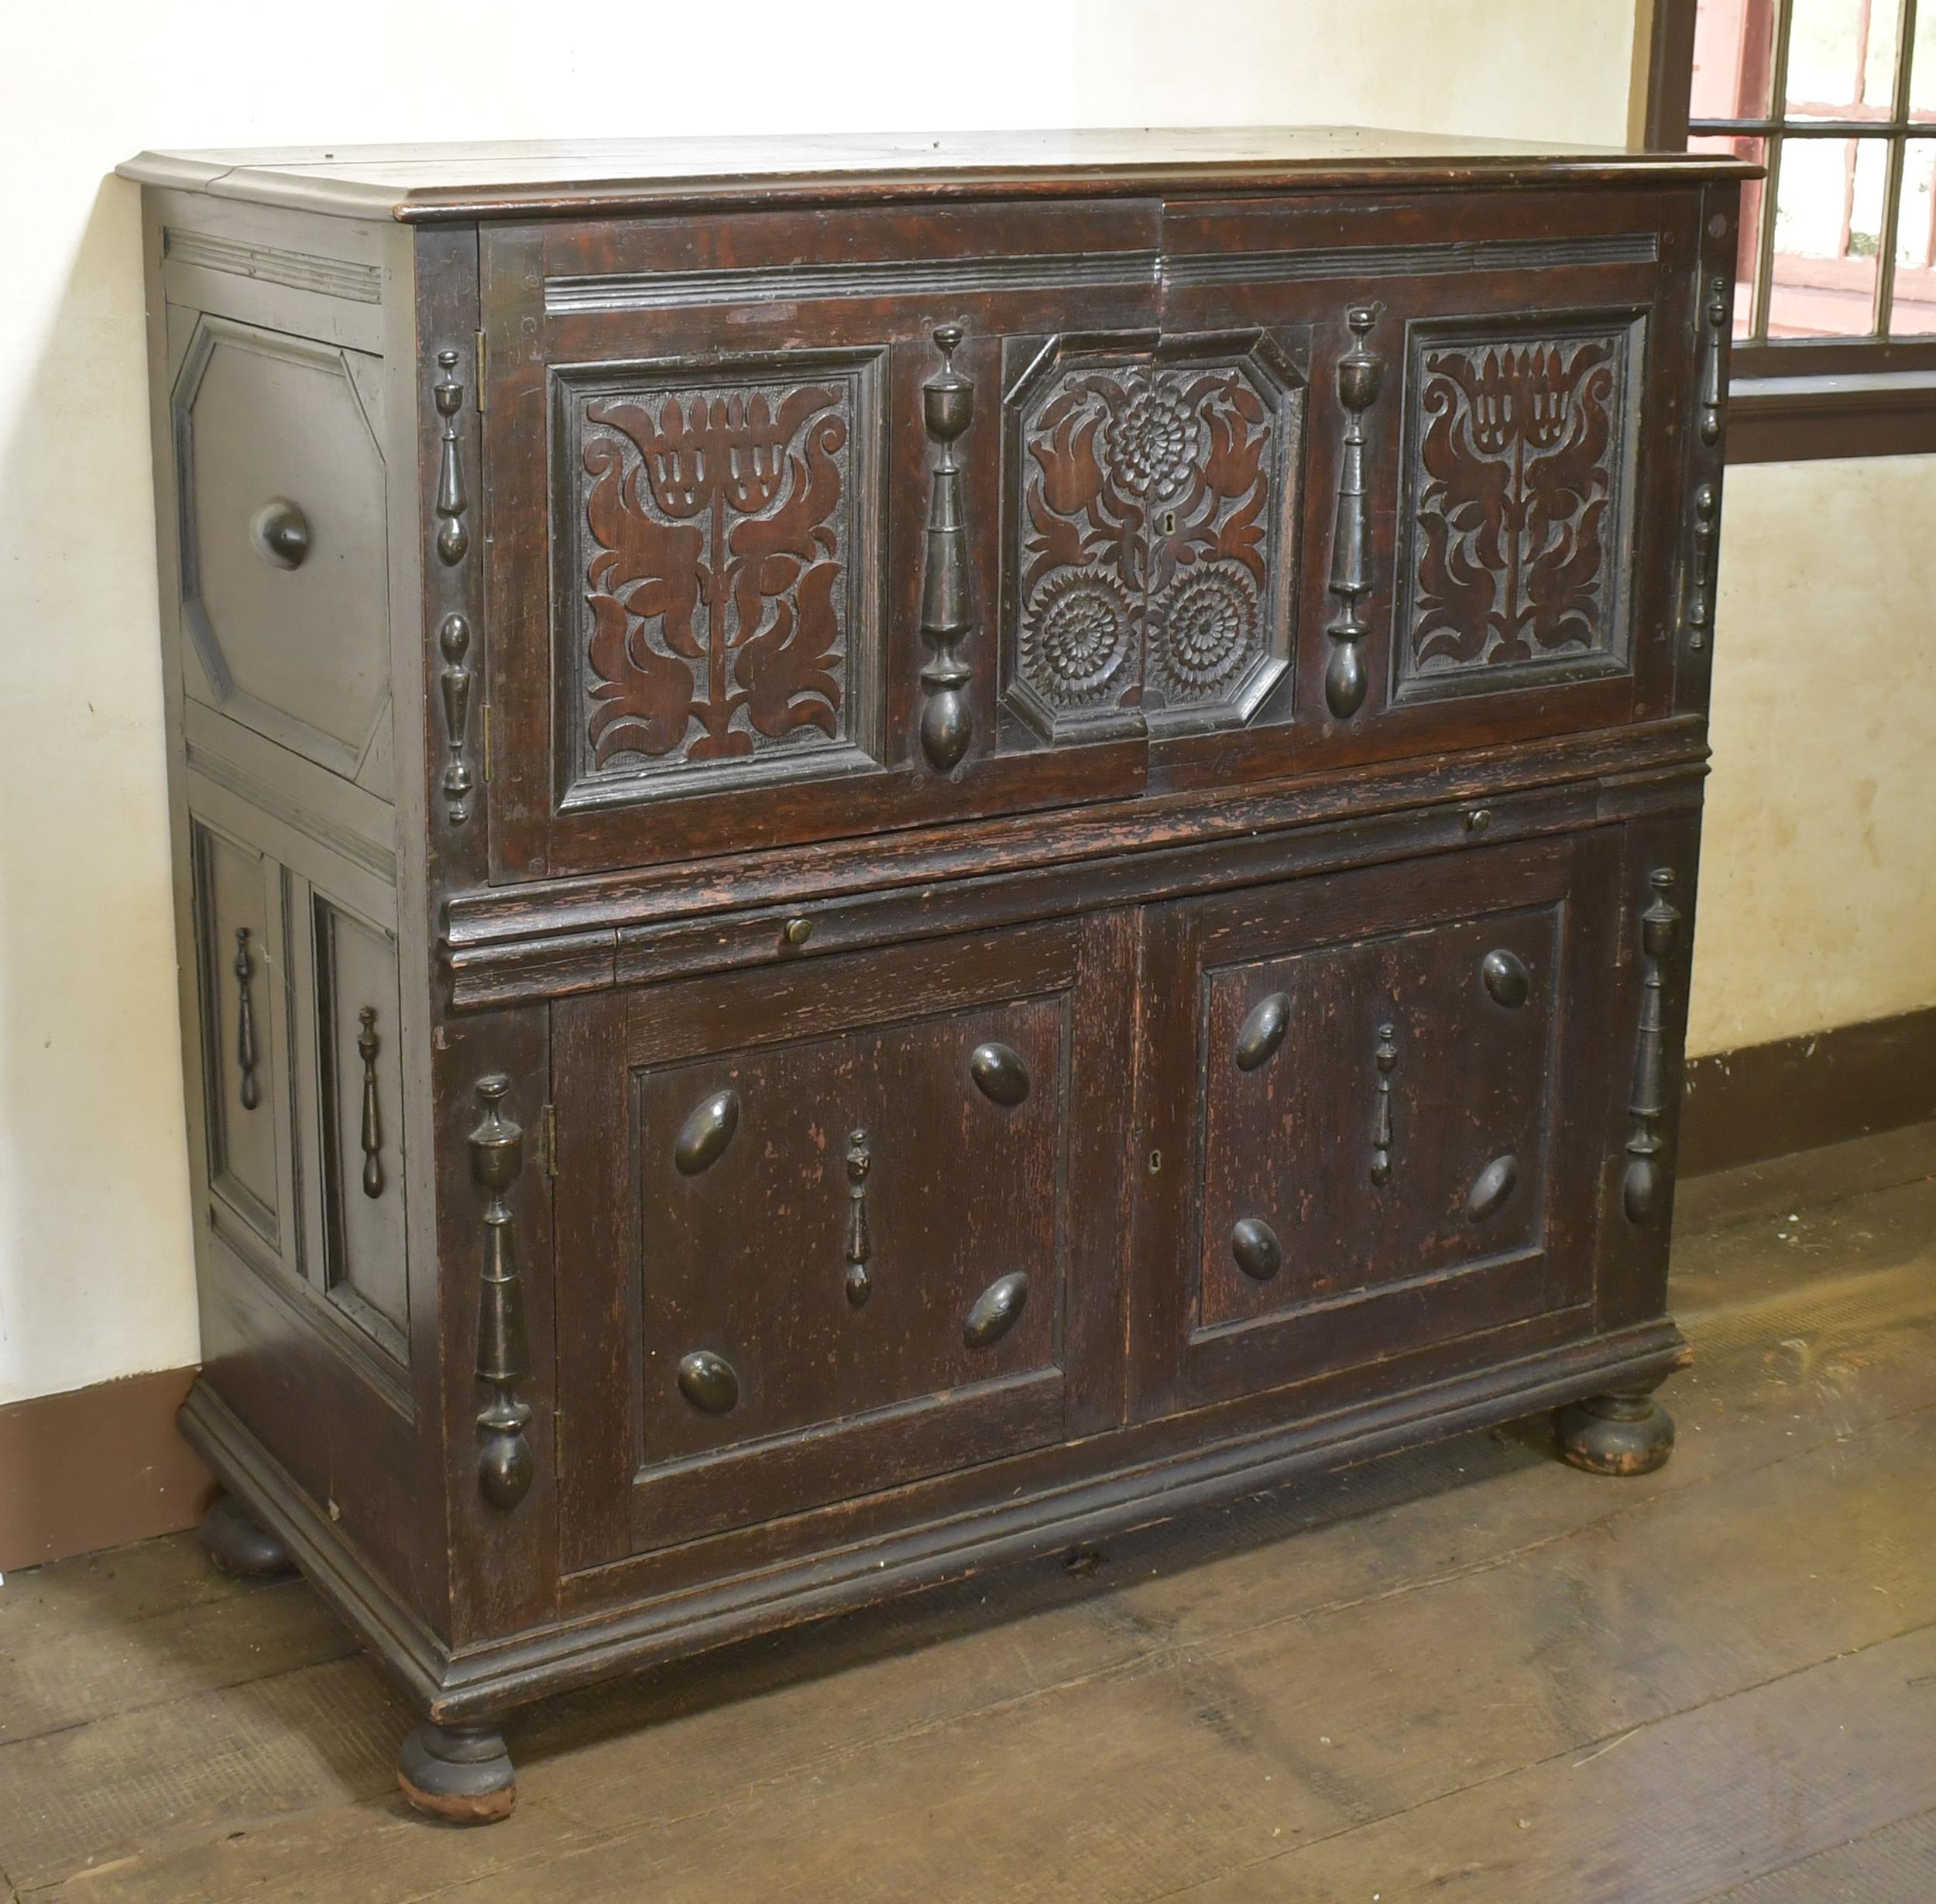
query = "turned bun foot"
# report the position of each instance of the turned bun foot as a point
(461, 1774)
(240, 1546)
(1616, 1434)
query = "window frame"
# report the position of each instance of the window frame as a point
(1802, 398)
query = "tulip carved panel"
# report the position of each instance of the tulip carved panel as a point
(1154, 498)
(722, 539)
(1519, 472)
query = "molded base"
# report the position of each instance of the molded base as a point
(1616, 1434)
(240, 1546)
(461, 1774)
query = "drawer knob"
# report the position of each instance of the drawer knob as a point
(707, 1381)
(1263, 1031)
(996, 1311)
(1492, 1188)
(1505, 976)
(1254, 1244)
(999, 1073)
(796, 932)
(280, 532)
(706, 1132)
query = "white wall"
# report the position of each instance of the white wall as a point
(94, 1275)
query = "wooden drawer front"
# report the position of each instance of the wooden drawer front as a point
(843, 1232)
(283, 553)
(1378, 1061)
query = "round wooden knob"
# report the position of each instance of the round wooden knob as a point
(281, 532)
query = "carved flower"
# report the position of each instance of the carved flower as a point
(1153, 442)
(1202, 630)
(1076, 639)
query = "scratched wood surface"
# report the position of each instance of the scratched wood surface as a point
(1465, 1673)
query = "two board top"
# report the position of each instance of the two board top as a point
(545, 178)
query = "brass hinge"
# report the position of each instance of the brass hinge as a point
(548, 1127)
(483, 365)
(486, 748)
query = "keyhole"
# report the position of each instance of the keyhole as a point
(1169, 522)
(1155, 1161)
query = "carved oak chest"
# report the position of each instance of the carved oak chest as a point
(887, 855)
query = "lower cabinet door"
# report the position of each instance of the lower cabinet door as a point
(1384, 1091)
(828, 1228)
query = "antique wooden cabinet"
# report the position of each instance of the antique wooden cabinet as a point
(890, 853)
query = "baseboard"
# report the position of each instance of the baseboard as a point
(1796, 1094)
(96, 1467)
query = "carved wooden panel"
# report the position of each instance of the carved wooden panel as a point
(1154, 490)
(719, 575)
(1519, 475)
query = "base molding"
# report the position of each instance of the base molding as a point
(97, 1467)
(477, 1683)
(1796, 1094)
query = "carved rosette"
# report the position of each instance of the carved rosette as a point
(1148, 539)
(1519, 475)
(719, 563)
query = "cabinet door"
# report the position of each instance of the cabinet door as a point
(1501, 391)
(826, 1232)
(1381, 1090)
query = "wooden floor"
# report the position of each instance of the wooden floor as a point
(1467, 1674)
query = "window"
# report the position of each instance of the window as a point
(1835, 297)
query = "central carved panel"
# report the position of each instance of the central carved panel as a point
(1155, 497)
(725, 525)
(1519, 469)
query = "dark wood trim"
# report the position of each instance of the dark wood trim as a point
(1669, 75)
(1767, 1100)
(97, 1467)
(1786, 419)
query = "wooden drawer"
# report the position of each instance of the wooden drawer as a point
(1374, 1097)
(820, 1229)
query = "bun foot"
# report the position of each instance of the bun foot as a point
(1616, 1434)
(240, 1546)
(461, 1774)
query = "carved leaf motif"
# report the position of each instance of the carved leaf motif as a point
(1515, 498)
(719, 523)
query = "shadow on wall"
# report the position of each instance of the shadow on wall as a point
(96, 1277)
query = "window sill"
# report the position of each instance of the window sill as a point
(1799, 419)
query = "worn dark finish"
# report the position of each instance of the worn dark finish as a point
(989, 891)
(1640, 1187)
(1360, 378)
(1617, 1434)
(241, 1546)
(503, 1351)
(947, 723)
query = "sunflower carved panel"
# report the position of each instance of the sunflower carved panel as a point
(1154, 492)
(1519, 473)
